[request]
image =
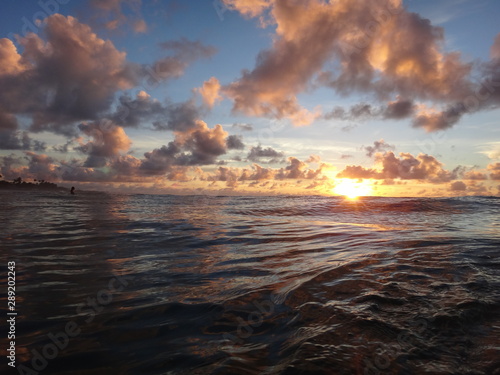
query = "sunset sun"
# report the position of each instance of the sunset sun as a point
(353, 189)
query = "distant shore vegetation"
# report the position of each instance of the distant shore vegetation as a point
(19, 183)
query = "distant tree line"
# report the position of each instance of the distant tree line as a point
(19, 183)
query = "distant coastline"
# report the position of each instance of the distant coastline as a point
(19, 184)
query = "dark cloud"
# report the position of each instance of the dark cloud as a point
(144, 109)
(159, 161)
(65, 147)
(439, 120)
(298, 169)
(399, 109)
(179, 117)
(458, 186)
(132, 112)
(234, 142)
(61, 80)
(257, 153)
(7, 166)
(244, 127)
(13, 139)
(41, 167)
(378, 146)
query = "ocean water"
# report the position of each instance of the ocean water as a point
(144, 284)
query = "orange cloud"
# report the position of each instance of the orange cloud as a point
(210, 92)
(10, 61)
(495, 48)
(494, 170)
(249, 8)
(381, 48)
(108, 140)
(407, 167)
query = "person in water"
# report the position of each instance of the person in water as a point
(72, 190)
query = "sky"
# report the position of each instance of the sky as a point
(253, 97)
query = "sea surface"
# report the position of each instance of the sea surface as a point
(149, 284)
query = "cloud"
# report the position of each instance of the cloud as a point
(7, 169)
(210, 92)
(298, 169)
(112, 15)
(200, 145)
(108, 141)
(249, 8)
(140, 26)
(204, 144)
(399, 109)
(73, 75)
(433, 120)
(478, 189)
(179, 117)
(194, 147)
(407, 167)
(495, 48)
(11, 63)
(494, 170)
(159, 161)
(136, 112)
(243, 127)
(184, 52)
(63, 80)
(234, 142)
(377, 147)
(257, 153)
(458, 186)
(132, 112)
(378, 48)
(475, 176)
(13, 139)
(313, 159)
(41, 167)
(258, 173)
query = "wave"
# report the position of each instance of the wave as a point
(257, 285)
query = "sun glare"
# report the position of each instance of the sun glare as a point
(352, 189)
